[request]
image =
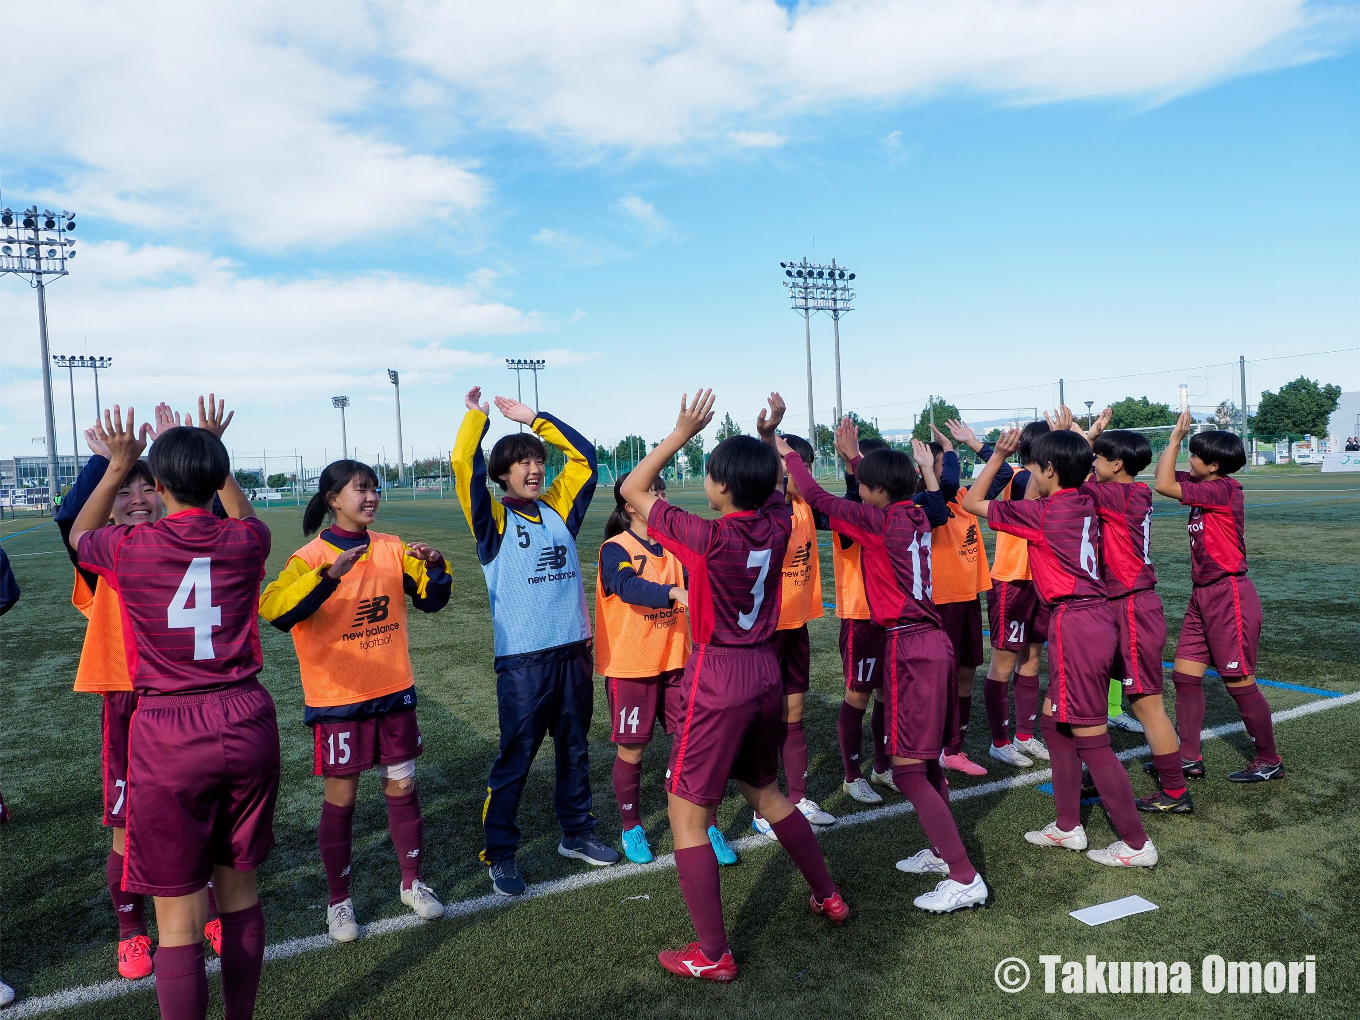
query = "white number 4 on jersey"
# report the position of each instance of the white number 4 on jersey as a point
(197, 581)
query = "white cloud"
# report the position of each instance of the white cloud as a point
(653, 224)
(757, 139)
(568, 246)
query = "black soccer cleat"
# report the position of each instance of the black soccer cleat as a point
(1258, 772)
(1189, 769)
(1088, 786)
(1160, 803)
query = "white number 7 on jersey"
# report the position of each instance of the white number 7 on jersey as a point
(204, 616)
(755, 558)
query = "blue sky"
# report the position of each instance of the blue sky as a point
(281, 208)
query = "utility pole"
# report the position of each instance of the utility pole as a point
(1062, 399)
(401, 458)
(1242, 368)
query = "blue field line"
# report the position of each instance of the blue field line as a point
(1048, 789)
(35, 527)
(1273, 683)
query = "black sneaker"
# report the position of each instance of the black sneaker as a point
(1088, 786)
(1258, 772)
(1159, 802)
(506, 879)
(589, 849)
(1189, 769)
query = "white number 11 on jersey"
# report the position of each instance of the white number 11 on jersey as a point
(204, 616)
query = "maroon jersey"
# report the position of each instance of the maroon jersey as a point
(735, 566)
(1063, 531)
(189, 588)
(1218, 521)
(1125, 510)
(896, 547)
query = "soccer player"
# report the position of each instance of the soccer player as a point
(343, 598)
(526, 544)
(861, 645)
(1222, 623)
(801, 601)
(203, 745)
(732, 691)
(894, 533)
(1062, 528)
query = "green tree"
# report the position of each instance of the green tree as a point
(1301, 408)
(825, 443)
(247, 479)
(943, 412)
(280, 481)
(694, 456)
(630, 450)
(1140, 414)
(728, 428)
(992, 436)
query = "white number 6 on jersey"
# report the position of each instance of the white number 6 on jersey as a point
(204, 616)
(755, 558)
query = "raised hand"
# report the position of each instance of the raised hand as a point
(345, 562)
(94, 439)
(424, 551)
(766, 423)
(694, 415)
(1184, 424)
(847, 439)
(923, 455)
(212, 418)
(1101, 423)
(516, 410)
(963, 434)
(125, 442)
(165, 420)
(473, 401)
(782, 446)
(941, 439)
(1060, 420)
(1007, 444)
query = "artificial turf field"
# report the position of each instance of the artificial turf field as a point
(1260, 873)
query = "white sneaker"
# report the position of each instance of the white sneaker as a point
(1032, 747)
(1124, 721)
(861, 791)
(949, 896)
(884, 779)
(1010, 755)
(1051, 835)
(342, 922)
(815, 814)
(6, 994)
(924, 863)
(421, 898)
(764, 828)
(1119, 855)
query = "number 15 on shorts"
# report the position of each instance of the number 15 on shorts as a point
(338, 741)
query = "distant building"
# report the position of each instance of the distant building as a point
(31, 472)
(1345, 420)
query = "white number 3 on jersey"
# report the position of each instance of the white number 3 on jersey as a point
(197, 581)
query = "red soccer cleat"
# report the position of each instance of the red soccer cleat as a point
(134, 957)
(833, 907)
(691, 962)
(212, 931)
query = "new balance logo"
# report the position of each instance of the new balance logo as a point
(626, 807)
(345, 872)
(372, 610)
(1233, 665)
(971, 538)
(125, 908)
(554, 557)
(802, 555)
(412, 853)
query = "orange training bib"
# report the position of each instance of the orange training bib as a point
(631, 641)
(801, 600)
(1011, 558)
(103, 656)
(958, 562)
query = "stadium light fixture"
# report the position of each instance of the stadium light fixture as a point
(71, 362)
(39, 251)
(342, 403)
(820, 287)
(519, 365)
(395, 379)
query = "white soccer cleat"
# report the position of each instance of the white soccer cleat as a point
(763, 828)
(814, 814)
(421, 898)
(861, 791)
(1124, 721)
(1051, 835)
(924, 863)
(6, 994)
(1033, 747)
(1010, 755)
(949, 896)
(884, 779)
(340, 919)
(1120, 855)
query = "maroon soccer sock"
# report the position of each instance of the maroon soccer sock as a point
(242, 960)
(627, 790)
(181, 982)
(1026, 705)
(130, 907)
(1066, 765)
(931, 808)
(998, 708)
(965, 710)
(335, 837)
(408, 834)
(1113, 785)
(935, 773)
(850, 733)
(1189, 712)
(1256, 718)
(878, 727)
(795, 756)
(698, 870)
(1169, 774)
(796, 837)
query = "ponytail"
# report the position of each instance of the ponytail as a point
(619, 519)
(332, 482)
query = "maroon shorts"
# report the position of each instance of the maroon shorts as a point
(731, 702)
(793, 649)
(1016, 616)
(203, 776)
(962, 624)
(1223, 627)
(921, 690)
(636, 703)
(347, 747)
(1140, 625)
(115, 717)
(1081, 642)
(862, 655)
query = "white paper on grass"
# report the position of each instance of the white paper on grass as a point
(1113, 910)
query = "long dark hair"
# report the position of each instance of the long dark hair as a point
(334, 478)
(620, 520)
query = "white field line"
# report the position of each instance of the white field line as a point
(87, 994)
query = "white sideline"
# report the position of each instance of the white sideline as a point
(86, 994)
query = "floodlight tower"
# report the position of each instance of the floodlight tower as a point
(518, 365)
(817, 287)
(36, 247)
(401, 458)
(342, 403)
